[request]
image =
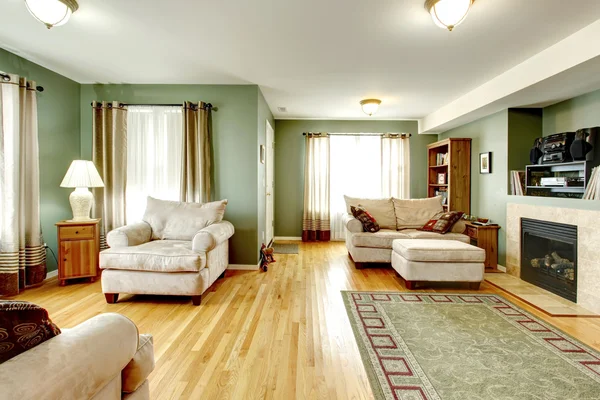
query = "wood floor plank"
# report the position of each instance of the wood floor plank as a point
(281, 334)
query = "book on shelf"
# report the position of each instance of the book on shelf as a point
(517, 183)
(444, 194)
(441, 159)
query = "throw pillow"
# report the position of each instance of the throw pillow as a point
(381, 209)
(442, 222)
(23, 326)
(368, 222)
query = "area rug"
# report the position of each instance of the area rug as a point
(285, 248)
(466, 346)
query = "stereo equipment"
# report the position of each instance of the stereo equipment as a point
(561, 181)
(582, 146)
(556, 148)
(535, 154)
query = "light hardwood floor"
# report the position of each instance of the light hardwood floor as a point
(281, 334)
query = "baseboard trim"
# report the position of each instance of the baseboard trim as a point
(51, 275)
(288, 238)
(501, 268)
(243, 267)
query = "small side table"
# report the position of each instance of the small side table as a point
(78, 248)
(485, 237)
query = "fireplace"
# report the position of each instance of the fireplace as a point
(549, 256)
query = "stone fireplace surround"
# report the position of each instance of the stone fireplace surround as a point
(588, 245)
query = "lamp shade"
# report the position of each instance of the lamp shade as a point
(52, 12)
(82, 174)
(448, 14)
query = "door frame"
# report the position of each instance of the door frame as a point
(269, 163)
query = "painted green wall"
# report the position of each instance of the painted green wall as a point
(264, 114)
(524, 126)
(235, 142)
(289, 163)
(58, 131)
(579, 112)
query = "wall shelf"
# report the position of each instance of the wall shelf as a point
(575, 169)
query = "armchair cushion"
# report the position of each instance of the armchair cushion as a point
(177, 220)
(213, 235)
(157, 255)
(136, 372)
(352, 224)
(129, 235)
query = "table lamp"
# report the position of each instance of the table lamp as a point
(82, 175)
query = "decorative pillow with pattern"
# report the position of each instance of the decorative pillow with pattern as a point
(442, 222)
(23, 326)
(368, 222)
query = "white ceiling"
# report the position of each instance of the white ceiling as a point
(318, 58)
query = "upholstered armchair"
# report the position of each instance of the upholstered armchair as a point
(178, 249)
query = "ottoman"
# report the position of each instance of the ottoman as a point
(422, 260)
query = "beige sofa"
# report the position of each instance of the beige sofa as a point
(104, 358)
(398, 219)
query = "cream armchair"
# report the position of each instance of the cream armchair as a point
(172, 252)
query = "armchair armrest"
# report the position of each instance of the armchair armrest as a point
(352, 224)
(129, 235)
(88, 356)
(213, 235)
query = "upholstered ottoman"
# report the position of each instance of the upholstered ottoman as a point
(422, 260)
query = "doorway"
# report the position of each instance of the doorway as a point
(269, 182)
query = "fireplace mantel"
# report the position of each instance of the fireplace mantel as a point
(588, 268)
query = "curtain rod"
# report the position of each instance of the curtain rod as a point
(208, 105)
(358, 134)
(6, 78)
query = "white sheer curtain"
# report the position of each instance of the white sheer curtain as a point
(366, 166)
(154, 156)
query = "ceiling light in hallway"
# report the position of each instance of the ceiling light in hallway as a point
(370, 106)
(448, 13)
(52, 12)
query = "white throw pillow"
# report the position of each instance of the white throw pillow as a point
(177, 220)
(381, 209)
(415, 213)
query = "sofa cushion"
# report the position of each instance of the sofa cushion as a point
(177, 220)
(426, 250)
(368, 222)
(381, 209)
(382, 239)
(417, 234)
(23, 326)
(139, 368)
(157, 255)
(415, 213)
(442, 222)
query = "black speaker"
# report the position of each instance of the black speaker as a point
(536, 152)
(582, 146)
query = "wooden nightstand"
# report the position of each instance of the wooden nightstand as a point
(485, 237)
(78, 248)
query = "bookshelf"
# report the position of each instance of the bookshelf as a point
(449, 173)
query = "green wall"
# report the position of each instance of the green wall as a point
(289, 163)
(573, 114)
(235, 144)
(58, 131)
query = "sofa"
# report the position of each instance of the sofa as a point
(104, 358)
(179, 249)
(398, 219)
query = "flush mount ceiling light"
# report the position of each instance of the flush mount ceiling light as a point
(448, 13)
(52, 12)
(370, 106)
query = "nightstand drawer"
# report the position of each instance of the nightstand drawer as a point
(77, 232)
(471, 232)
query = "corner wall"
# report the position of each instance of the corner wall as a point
(58, 132)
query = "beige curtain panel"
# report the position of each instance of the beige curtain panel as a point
(316, 216)
(22, 252)
(395, 166)
(196, 159)
(110, 157)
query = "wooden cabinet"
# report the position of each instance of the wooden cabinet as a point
(449, 173)
(78, 248)
(485, 237)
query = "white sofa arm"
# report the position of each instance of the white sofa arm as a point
(129, 235)
(213, 235)
(86, 358)
(352, 224)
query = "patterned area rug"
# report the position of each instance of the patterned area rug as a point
(285, 248)
(469, 346)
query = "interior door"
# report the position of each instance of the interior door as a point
(269, 176)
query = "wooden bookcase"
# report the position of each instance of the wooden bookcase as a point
(456, 170)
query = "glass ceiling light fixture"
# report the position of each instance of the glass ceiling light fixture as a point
(370, 106)
(52, 12)
(448, 13)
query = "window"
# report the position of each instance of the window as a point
(154, 156)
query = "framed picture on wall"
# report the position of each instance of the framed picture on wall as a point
(485, 163)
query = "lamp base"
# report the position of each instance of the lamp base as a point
(81, 200)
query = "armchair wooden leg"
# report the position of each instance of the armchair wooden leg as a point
(196, 300)
(222, 275)
(411, 285)
(111, 298)
(359, 265)
(474, 285)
